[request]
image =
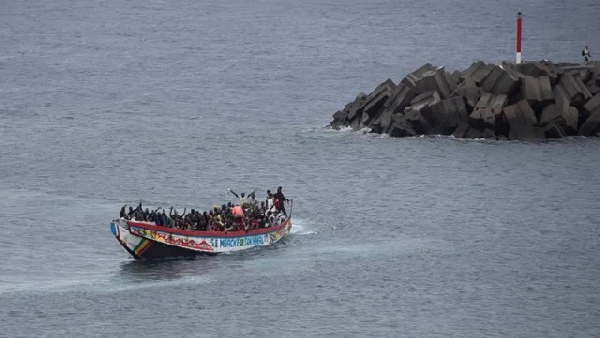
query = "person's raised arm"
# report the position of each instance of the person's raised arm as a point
(233, 192)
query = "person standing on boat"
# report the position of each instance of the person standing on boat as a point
(134, 212)
(281, 198)
(241, 196)
(270, 201)
(268, 197)
(252, 199)
(123, 213)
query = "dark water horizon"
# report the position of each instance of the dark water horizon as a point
(106, 103)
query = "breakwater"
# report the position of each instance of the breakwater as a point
(533, 100)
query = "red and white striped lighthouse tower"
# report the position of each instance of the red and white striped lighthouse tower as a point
(519, 26)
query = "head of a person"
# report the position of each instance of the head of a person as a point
(278, 189)
(268, 192)
(242, 194)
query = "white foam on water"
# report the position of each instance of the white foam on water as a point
(112, 286)
(105, 285)
(302, 227)
(396, 247)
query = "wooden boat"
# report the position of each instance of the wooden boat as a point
(145, 240)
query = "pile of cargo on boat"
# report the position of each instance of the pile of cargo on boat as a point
(152, 234)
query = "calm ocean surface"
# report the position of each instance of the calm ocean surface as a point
(108, 102)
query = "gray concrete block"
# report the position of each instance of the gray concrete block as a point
(470, 91)
(491, 100)
(340, 116)
(339, 119)
(486, 117)
(425, 99)
(477, 72)
(594, 89)
(376, 101)
(400, 128)
(567, 117)
(473, 133)
(593, 103)
(446, 115)
(538, 69)
(548, 115)
(410, 79)
(522, 121)
(553, 130)
(355, 123)
(575, 89)
(375, 106)
(417, 121)
(591, 126)
(461, 130)
(361, 96)
(537, 90)
(388, 85)
(382, 123)
(436, 80)
(570, 120)
(488, 133)
(561, 97)
(401, 98)
(455, 76)
(355, 110)
(499, 81)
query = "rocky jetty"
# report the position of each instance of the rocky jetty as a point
(533, 100)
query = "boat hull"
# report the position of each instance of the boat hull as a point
(148, 241)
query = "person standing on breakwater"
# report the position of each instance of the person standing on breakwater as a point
(586, 54)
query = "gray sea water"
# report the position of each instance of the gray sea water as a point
(108, 102)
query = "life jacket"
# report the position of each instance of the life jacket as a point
(276, 203)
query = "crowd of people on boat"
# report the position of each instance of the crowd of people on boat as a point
(248, 214)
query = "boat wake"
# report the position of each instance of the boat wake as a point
(302, 227)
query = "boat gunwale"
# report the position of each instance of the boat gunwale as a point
(204, 233)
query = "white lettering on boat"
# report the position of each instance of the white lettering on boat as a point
(241, 241)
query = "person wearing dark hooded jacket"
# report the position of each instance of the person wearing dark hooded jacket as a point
(281, 198)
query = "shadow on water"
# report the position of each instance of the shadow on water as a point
(164, 270)
(177, 268)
